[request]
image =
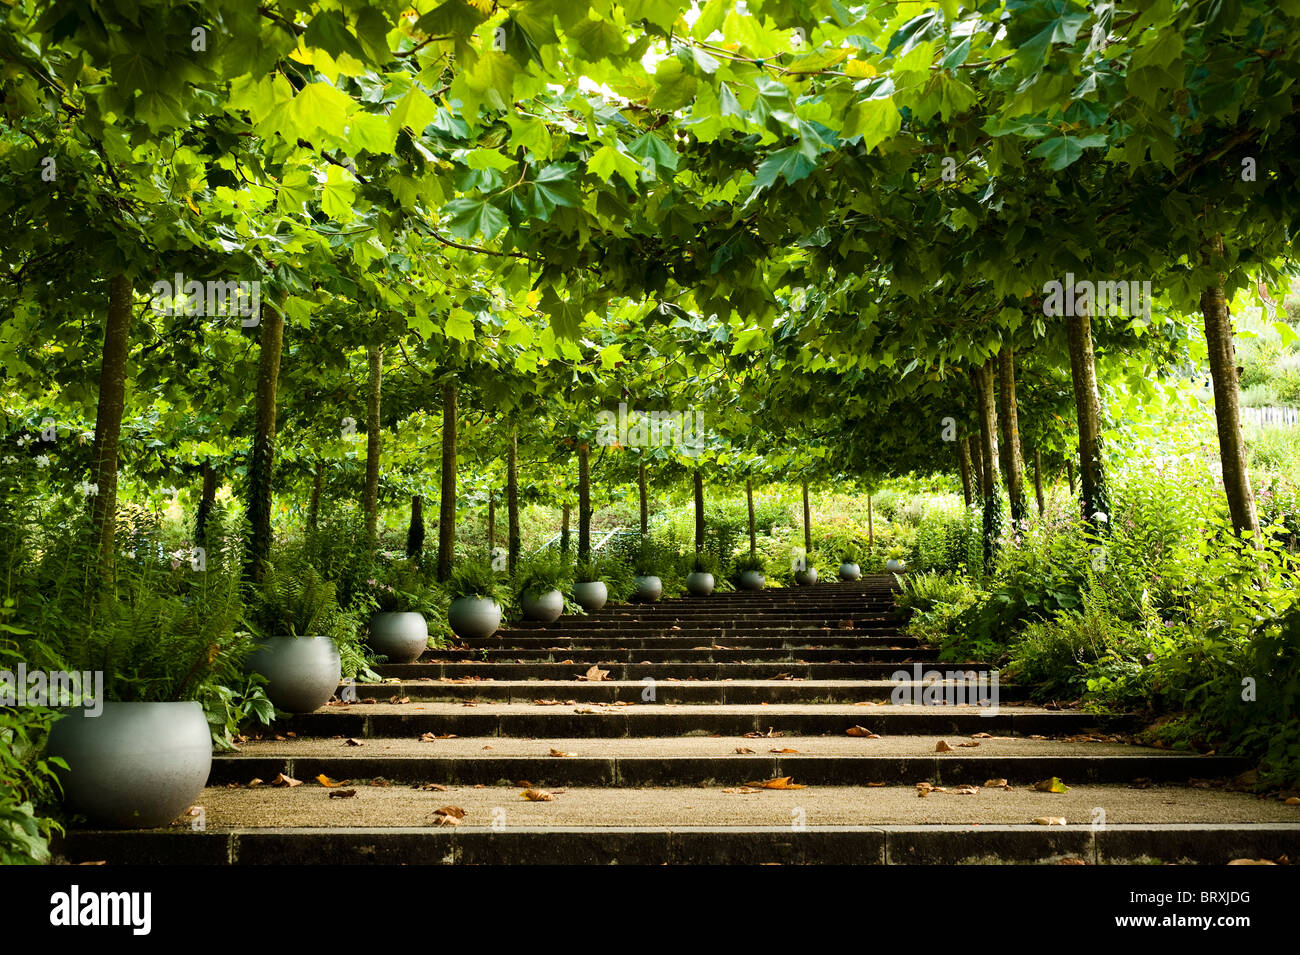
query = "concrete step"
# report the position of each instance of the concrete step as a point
(655, 719)
(688, 639)
(543, 670)
(665, 691)
(702, 653)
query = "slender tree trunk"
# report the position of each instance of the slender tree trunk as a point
(207, 501)
(261, 468)
(871, 526)
(313, 502)
(564, 528)
(992, 500)
(492, 522)
(977, 464)
(584, 502)
(1227, 401)
(1038, 479)
(699, 512)
(749, 502)
(374, 444)
(1069, 473)
(1009, 424)
(807, 523)
(514, 543)
(108, 419)
(447, 496)
(642, 493)
(415, 530)
(1087, 402)
(963, 456)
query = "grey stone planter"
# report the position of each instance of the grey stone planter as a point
(649, 588)
(401, 636)
(545, 607)
(302, 673)
(473, 618)
(850, 571)
(591, 594)
(699, 583)
(806, 578)
(895, 563)
(751, 580)
(136, 765)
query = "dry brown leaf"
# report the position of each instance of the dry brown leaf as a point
(399, 699)
(556, 752)
(327, 782)
(1293, 800)
(254, 782)
(744, 751)
(875, 785)
(966, 790)
(353, 742)
(1052, 785)
(861, 731)
(780, 782)
(546, 702)
(342, 793)
(1050, 821)
(454, 811)
(981, 735)
(786, 750)
(434, 787)
(1252, 862)
(282, 780)
(537, 795)
(996, 784)
(943, 747)
(595, 675)
(973, 742)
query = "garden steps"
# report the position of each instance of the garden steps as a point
(646, 781)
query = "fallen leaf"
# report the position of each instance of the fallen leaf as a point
(1050, 821)
(862, 732)
(742, 790)
(537, 795)
(546, 702)
(943, 747)
(254, 782)
(353, 742)
(282, 780)
(966, 790)
(342, 793)
(556, 752)
(981, 735)
(1052, 785)
(434, 787)
(973, 742)
(399, 699)
(1293, 800)
(1252, 862)
(786, 750)
(874, 785)
(454, 811)
(430, 737)
(380, 781)
(595, 675)
(780, 782)
(996, 784)
(744, 751)
(441, 820)
(327, 782)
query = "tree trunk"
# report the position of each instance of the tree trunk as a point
(313, 502)
(261, 467)
(644, 497)
(963, 456)
(1227, 406)
(977, 466)
(1038, 479)
(207, 501)
(447, 497)
(584, 502)
(513, 541)
(108, 419)
(1009, 425)
(807, 524)
(749, 501)
(415, 530)
(992, 498)
(1087, 402)
(492, 523)
(1069, 473)
(564, 528)
(871, 525)
(699, 512)
(374, 443)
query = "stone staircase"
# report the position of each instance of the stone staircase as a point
(672, 748)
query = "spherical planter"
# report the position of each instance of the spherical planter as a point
(806, 578)
(302, 673)
(850, 571)
(895, 563)
(590, 594)
(649, 588)
(473, 618)
(545, 608)
(751, 580)
(136, 765)
(401, 636)
(699, 583)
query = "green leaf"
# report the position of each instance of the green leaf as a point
(320, 106)
(875, 120)
(329, 31)
(650, 147)
(414, 110)
(459, 325)
(608, 161)
(470, 217)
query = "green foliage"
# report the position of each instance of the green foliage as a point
(27, 781)
(475, 579)
(542, 574)
(401, 586)
(748, 562)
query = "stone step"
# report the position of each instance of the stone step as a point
(654, 719)
(687, 639)
(713, 620)
(579, 628)
(665, 691)
(542, 670)
(699, 654)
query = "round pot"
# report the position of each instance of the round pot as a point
(545, 607)
(472, 618)
(895, 563)
(850, 571)
(401, 636)
(302, 673)
(806, 578)
(648, 588)
(590, 594)
(699, 583)
(751, 580)
(136, 765)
